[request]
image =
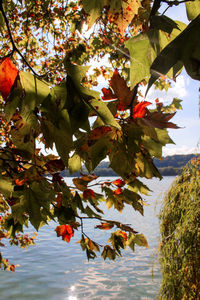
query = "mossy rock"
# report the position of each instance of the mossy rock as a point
(180, 236)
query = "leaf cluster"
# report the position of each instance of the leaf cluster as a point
(49, 101)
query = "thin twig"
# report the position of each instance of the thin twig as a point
(171, 3)
(15, 49)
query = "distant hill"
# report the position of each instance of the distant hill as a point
(172, 165)
(168, 166)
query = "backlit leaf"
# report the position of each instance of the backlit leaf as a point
(184, 48)
(108, 252)
(123, 16)
(105, 226)
(88, 194)
(74, 163)
(144, 48)
(193, 9)
(119, 182)
(139, 109)
(121, 90)
(8, 74)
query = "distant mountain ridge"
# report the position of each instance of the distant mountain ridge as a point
(169, 166)
(173, 164)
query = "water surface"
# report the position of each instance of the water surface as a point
(55, 270)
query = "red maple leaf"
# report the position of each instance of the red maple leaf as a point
(139, 110)
(121, 107)
(88, 194)
(66, 231)
(20, 182)
(108, 94)
(8, 74)
(119, 182)
(118, 191)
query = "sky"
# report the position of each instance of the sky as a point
(187, 138)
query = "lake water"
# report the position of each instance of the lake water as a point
(55, 270)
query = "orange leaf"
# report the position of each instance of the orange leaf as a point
(88, 194)
(82, 182)
(60, 230)
(105, 226)
(88, 178)
(8, 74)
(122, 17)
(119, 182)
(124, 234)
(66, 231)
(19, 182)
(118, 191)
(139, 110)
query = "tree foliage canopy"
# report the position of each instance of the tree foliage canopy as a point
(49, 98)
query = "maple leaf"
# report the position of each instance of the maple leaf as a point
(122, 17)
(108, 94)
(60, 230)
(66, 231)
(88, 194)
(139, 110)
(105, 226)
(121, 107)
(124, 234)
(159, 120)
(121, 90)
(118, 191)
(55, 165)
(82, 182)
(8, 74)
(96, 134)
(119, 182)
(20, 182)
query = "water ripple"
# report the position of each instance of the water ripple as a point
(54, 270)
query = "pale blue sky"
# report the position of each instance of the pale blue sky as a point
(188, 137)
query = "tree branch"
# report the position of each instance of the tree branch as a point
(157, 4)
(15, 49)
(135, 90)
(171, 3)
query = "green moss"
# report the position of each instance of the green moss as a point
(180, 236)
